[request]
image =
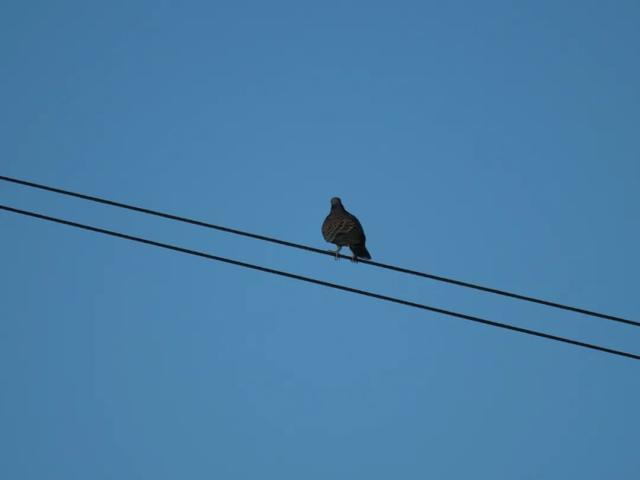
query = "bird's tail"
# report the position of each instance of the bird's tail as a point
(359, 250)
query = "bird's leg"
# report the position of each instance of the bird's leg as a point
(354, 259)
(338, 251)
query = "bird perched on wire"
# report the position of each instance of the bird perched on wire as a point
(343, 229)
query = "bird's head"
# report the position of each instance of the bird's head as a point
(336, 202)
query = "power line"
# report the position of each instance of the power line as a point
(320, 282)
(234, 231)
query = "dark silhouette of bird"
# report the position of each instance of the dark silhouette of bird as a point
(344, 230)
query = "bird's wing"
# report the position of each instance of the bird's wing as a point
(338, 226)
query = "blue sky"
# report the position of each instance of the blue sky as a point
(496, 142)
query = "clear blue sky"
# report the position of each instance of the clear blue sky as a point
(496, 142)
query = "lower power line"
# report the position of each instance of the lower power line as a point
(321, 282)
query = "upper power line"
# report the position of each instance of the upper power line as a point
(234, 231)
(321, 282)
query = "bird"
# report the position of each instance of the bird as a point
(343, 229)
